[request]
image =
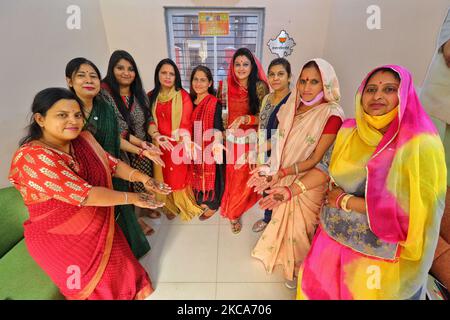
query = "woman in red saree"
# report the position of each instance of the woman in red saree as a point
(170, 129)
(65, 179)
(247, 86)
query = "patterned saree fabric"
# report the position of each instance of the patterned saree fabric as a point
(66, 238)
(386, 253)
(287, 238)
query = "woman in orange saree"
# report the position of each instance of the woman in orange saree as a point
(65, 179)
(247, 86)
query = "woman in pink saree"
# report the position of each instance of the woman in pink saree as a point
(379, 230)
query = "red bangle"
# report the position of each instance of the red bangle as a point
(284, 172)
(338, 200)
(141, 153)
(290, 192)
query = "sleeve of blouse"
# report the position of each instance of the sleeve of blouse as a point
(333, 125)
(42, 171)
(113, 162)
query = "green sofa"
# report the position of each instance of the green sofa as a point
(20, 277)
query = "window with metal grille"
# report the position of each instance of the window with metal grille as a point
(188, 49)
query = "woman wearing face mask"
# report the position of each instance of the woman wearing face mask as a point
(171, 127)
(83, 78)
(122, 87)
(247, 86)
(65, 179)
(208, 180)
(308, 126)
(379, 230)
(279, 76)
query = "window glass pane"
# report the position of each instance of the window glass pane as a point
(188, 49)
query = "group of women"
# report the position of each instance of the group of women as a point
(343, 198)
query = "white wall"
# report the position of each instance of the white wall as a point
(144, 33)
(36, 45)
(409, 29)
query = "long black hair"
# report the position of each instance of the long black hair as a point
(154, 93)
(42, 102)
(136, 88)
(75, 64)
(281, 62)
(208, 73)
(252, 79)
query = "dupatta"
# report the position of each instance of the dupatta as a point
(315, 118)
(405, 183)
(238, 99)
(204, 172)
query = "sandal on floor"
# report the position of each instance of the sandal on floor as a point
(169, 214)
(235, 226)
(259, 226)
(206, 214)
(148, 230)
(152, 214)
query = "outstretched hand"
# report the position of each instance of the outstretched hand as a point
(274, 198)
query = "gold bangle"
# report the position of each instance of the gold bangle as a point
(131, 174)
(296, 169)
(301, 185)
(126, 198)
(344, 202)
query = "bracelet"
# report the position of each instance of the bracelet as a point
(131, 174)
(126, 197)
(345, 201)
(301, 185)
(290, 192)
(283, 172)
(296, 169)
(141, 152)
(338, 200)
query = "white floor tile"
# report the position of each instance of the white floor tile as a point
(183, 291)
(254, 291)
(235, 263)
(205, 260)
(183, 253)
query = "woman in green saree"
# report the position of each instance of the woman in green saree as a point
(83, 78)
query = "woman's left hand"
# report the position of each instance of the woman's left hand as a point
(275, 197)
(237, 123)
(151, 185)
(155, 157)
(151, 147)
(331, 196)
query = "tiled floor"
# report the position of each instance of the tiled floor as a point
(205, 260)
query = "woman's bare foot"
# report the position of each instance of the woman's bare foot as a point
(148, 230)
(236, 226)
(152, 214)
(207, 213)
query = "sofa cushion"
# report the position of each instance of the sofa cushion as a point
(22, 279)
(13, 213)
